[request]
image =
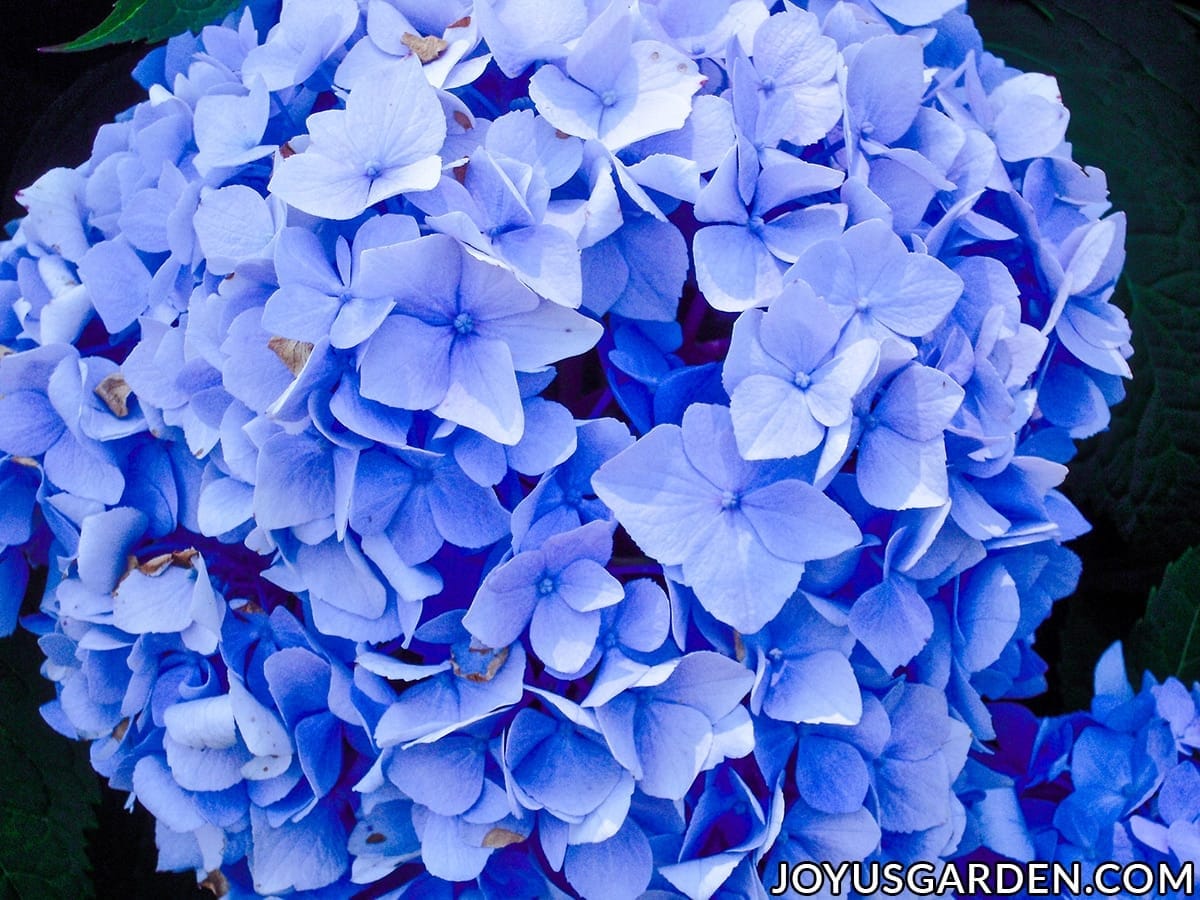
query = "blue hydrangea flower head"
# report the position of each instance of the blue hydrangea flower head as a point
(574, 448)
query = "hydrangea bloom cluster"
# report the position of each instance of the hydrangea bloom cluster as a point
(1119, 783)
(554, 448)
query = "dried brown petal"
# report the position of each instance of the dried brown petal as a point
(158, 564)
(427, 48)
(115, 391)
(463, 120)
(376, 838)
(293, 354)
(217, 883)
(498, 659)
(501, 837)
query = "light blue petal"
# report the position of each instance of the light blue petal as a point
(885, 85)
(797, 522)
(482, 390)
(117, 281)
(657, 495)
(505, 601)
(893, 622)
(771, 419)
(895, 472)
(734, 269)
(818, 688)
(407, 364)
(105, 540)
(562, 637)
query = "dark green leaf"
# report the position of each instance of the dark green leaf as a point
(1193, 15)
(150, 20)
(47, 789)
(1041, 8)
(1167, 639)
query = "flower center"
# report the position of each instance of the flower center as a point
(862, 304)
(767, 85)
(731, 500)
(609, 98)
(802, 380)
(372, 169)
(546, 586)
(463, 323)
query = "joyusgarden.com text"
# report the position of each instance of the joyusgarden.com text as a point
(1001, 879)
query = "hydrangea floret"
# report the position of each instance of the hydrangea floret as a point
(550, 448)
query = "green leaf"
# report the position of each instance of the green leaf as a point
(1167, 639)
(47, 789)
(150, 20)
(1189, 13)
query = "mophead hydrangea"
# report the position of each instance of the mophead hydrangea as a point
(551, 448)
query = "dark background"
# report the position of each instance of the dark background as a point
(55, 102)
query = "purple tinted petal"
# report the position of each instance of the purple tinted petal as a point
(919, 403)
(734, 268)
(885, 86)
(505, 601)
(772, 420)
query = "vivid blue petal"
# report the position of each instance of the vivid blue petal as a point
(831, 775)
(305, 855)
